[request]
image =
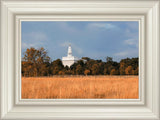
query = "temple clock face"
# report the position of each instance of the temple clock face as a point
(80, 59)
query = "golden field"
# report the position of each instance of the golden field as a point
(79, 87)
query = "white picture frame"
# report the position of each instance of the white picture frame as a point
(147, 12)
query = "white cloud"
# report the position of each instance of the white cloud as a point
(33, 39)
(67, 28)
(36, 36)
(132, 38)
(28, 45)
(127, 53)
(131, 42)
(131, 34)
(133, 25)
(102, 25)
(121, 54)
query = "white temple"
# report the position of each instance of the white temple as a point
(69, 60)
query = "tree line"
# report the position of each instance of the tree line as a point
(36, 62)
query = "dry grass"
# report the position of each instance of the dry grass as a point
(71, 87)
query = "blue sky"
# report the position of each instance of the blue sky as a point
(94, 39)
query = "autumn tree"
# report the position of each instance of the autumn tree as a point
(56, 66)
(136, 71)
(95, 69)
(124, 63)
(108, 59)
(129, 70)
(35, 62)
(109, 65)
(114, 72)
(86, 58)
(87, 72)
(61, 73)
(122, 68)
(79, 70)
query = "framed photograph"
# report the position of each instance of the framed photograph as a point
(71, 62)
(80, 59)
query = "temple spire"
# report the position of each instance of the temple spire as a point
(69, 51)
(69, 59)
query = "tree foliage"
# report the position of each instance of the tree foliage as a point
(36, 62)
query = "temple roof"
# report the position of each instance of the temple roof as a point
(69, 55)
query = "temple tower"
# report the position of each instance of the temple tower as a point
(69, 51)
(69, 59)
